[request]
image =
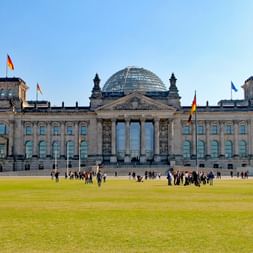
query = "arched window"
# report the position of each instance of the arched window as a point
(242, 148)
(201, 149)
(28, 149)
(42, 149)
(56, 149)
(83, 150)
(70, 149)
(214, 149)
(187, 149)
(228, 149)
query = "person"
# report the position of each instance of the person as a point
(210, 177)
(99, 178)
(104, 177)
(57, 173)
(169, 177)
(52, 175)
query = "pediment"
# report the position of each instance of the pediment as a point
(135, 101)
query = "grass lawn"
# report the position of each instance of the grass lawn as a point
(39, 215)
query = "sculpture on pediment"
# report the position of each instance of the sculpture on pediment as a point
(136, 103)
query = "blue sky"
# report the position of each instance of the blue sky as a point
(62, 44)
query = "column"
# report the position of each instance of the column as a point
(207, 132)
(157, 140)
(77, 144)
(236, 135)
(48, 139)
(127, 155)
(35, 139)
(113, 158)
(10, 150)
(222, 151)
(99, 138)
(63, 144)
(249, 132)
(143, 135)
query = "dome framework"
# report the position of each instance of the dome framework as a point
(133, 79)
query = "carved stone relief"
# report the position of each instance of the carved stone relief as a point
(107, 137)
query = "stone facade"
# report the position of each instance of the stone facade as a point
(133, 128)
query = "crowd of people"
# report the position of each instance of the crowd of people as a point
(174, 177)
(189, 177)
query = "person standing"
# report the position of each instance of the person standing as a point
(99, 178)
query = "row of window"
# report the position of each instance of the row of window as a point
(70, 147)
(6, 93)
(56, 130)
(215, 149)
(215, 129)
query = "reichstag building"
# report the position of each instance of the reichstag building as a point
(132, 119)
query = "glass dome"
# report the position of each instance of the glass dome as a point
(133, 79)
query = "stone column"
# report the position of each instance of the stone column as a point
(143, 135)
(77, 145)
(63, 139)
(99, 139)
(48, 139)
(249, 132)
(113, 158)
(127, 155)
(157, 140)
(236, 135)
(207, 133)
(222, 151)
(10, 150)
(35, 139)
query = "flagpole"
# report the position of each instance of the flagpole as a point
(196, 136)
(36, 95)
(6, 67)
(231, 93)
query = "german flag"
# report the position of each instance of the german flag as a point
(10, 63)
(193, 108)
(39, 89)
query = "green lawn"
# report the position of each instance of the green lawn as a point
(39, 215)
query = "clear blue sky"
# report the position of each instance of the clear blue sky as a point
(62, 44)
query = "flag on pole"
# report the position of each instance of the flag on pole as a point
(10, 63)
(233, 87)
(39, 89)
(193, 108)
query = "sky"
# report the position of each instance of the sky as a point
(62, 44)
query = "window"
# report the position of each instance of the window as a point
(201, 149)
(83, 150)
(42, 130)
(242, 129)
(28, 149)
(242, 148)
(42, 149)
(70, 149)
(69, 130)
(28, 130)
(2, 93)
(83, 130)
(3, 128)
(200, 129)
(214, 149)
(228, 149)
(214, 129)
(56, 130)
(56, 149)
(186, 129)
(187, 149)
(228, 129)
(149, 140)
(2, 150)
(120, 140)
